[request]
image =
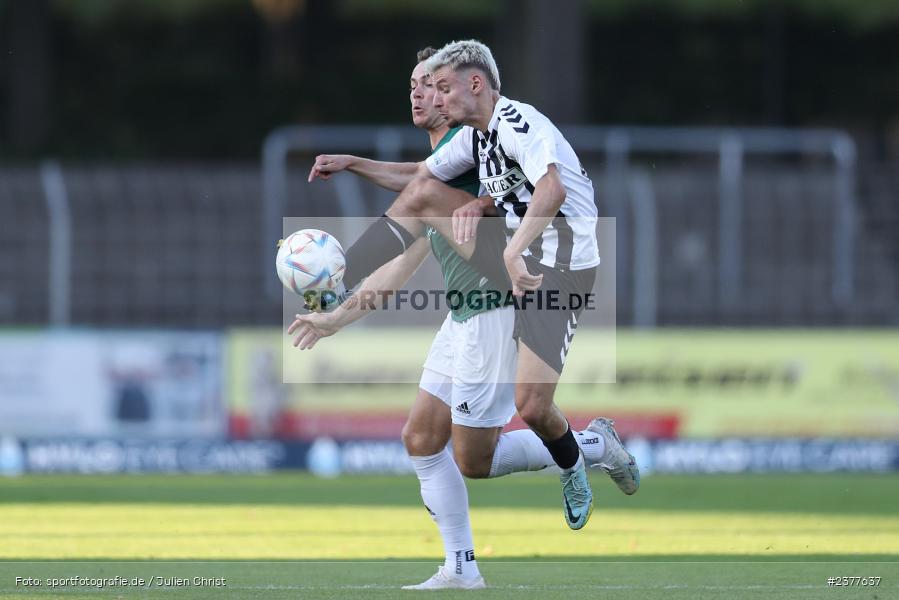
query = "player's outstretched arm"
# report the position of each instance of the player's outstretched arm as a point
(387, 279)
(390, 175)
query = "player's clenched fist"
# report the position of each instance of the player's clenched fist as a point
(328, 164)
(521, 278)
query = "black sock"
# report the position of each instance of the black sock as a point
(564, 450)
(383, 241)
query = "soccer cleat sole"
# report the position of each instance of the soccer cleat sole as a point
(478, 584)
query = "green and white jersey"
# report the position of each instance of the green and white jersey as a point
(464, 285)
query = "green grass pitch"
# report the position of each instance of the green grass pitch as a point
(294, 536)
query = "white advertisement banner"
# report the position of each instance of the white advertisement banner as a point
(124, 384)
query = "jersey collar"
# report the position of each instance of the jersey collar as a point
(494, 119)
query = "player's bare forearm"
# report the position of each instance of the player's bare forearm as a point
(547, 199)
(386, 280)
(393, 176)
(388, 175)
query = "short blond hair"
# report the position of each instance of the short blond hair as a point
(465, 54)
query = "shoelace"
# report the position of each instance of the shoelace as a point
(577, 491)
(441, 574)
(614, 473)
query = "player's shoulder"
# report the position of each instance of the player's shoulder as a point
(508, 105)
(463, 133)
(455, 135)
(520, 119)
(453, 147)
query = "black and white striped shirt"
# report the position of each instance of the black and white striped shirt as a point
(512, 156)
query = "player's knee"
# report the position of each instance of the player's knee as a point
(419, 442)
(533, 409)
(417, 195)
(474, 467)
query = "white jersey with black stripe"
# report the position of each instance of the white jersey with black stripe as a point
(511, 157)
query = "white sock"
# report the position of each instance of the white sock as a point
(523, 450)
(593, 446)
(446, 498)
(520, 450)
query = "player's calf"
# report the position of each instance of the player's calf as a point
(535, 405)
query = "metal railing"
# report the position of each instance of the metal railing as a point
(640, 203)
(59, 283)
(731, 146)
(624, 185)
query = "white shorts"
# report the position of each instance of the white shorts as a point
(471, 367)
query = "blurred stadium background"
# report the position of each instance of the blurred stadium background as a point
(748, 150)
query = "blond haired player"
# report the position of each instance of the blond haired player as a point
(545, 242)
(456, 396)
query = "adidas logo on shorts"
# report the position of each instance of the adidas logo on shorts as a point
(463, 408)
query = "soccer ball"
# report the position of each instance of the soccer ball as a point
(310, 260)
